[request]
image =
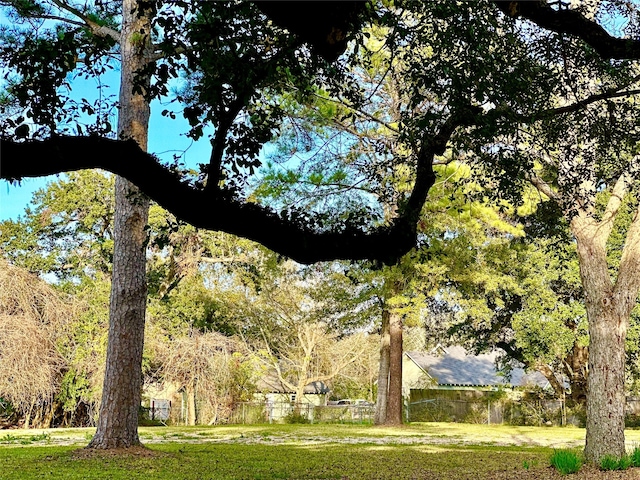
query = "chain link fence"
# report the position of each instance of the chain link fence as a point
(488, 411)
(479, 409)
(269, 412)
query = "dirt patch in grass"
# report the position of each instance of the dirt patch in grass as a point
(550, 473)
(137, 452)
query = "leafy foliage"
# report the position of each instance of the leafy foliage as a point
(67, 231)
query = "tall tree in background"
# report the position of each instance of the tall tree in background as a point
(302, 324)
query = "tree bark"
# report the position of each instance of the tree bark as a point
(609, 304)
(605, 392)
(550, 375)
(191, 405)
(394, 402)
(380, 415)
(577, 372)
(118, 419)
(608, 308)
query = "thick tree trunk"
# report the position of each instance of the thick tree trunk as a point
(605, 393)
(608, 316)
(394, 402)
(383, 373)
(118, 420)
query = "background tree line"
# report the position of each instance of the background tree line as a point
(223, 311)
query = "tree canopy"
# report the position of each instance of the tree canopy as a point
(494, 96)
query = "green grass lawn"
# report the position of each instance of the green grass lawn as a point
(419, 451)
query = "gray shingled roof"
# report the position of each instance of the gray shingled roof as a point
(456, 367)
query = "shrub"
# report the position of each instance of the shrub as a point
(631, 420)
(566, 461)
(610, 462)
(635, 457)
(296, 417)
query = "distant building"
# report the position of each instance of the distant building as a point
(449, 384)
(452, 368)
(280, 401)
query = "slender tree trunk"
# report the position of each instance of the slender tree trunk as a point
(577, 372)
(380, 415)
(191, 405)
(297, 406)
(394, 402)
(118, 420)
(27, 417)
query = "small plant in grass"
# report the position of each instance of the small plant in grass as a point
(8, 438)
(625, 462)
(610, 462)
(41, 437)
(527, 464)
(566, 461)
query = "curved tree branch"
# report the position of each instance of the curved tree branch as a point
(544, 188)
(96, 29)
(212, 209)
(573, 23)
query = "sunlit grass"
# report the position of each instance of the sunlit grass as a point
(268, 462)
(456, 433)
(270, 452)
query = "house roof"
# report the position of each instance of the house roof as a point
(456, 367)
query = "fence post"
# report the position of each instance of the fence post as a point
(488, 412)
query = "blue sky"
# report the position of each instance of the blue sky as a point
(164, 139)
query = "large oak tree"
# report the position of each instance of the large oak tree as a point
(479, 76)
